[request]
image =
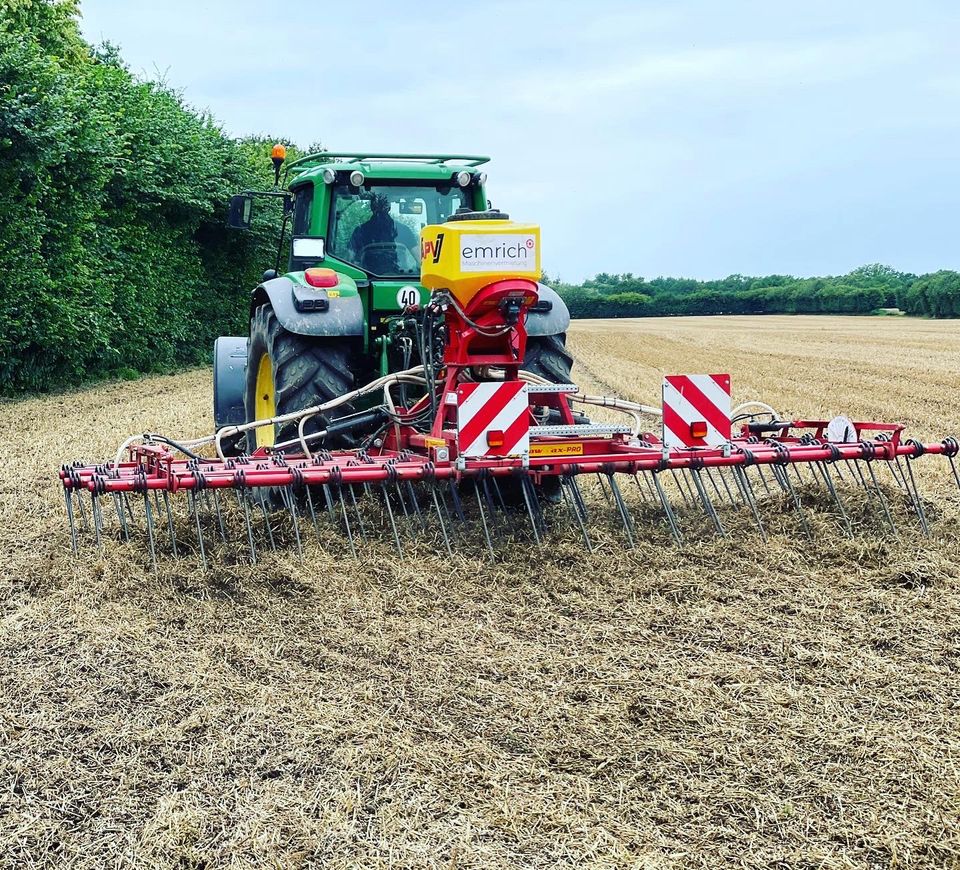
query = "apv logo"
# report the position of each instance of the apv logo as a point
(432, 248)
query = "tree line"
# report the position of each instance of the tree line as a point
(867, 290)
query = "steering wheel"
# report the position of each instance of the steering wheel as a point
(390, 252)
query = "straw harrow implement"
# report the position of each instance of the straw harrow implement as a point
(466, 442)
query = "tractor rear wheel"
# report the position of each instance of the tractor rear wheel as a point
(547, 356)
(288, 372)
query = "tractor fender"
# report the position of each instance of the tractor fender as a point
(229, 380)
(343, 317)
(551, 322)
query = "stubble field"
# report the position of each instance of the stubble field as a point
(727, 703)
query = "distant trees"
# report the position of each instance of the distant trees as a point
(862, 291)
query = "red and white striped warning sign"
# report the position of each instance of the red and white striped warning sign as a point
(493, 418)
(696, 410)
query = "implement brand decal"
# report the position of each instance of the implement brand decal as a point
(484, 253)
(432, 249)
(568, 449)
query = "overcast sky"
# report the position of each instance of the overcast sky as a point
(697, 138)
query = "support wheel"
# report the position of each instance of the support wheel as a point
(288, 372)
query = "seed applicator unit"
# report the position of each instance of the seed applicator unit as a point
(467, 436)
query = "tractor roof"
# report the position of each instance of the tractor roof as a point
(374, 165)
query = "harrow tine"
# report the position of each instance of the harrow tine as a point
(400, 499)
(83, 512)
(483, 520)
(918, 504)
(572, 506)
(676, 480)
(173, 536)
(883, 500)
(68, 498)
(148, 517)
(457, 504)
(195, 509)
(292, 506)
(530, 499)
(667, 510)
(795, 499)
(220, 525)
(244, 501)
(313, 514)
(763, 480)
(443, 527)
(416, 504)
(496, 489)
(749, 498)
(328, 497)
(828, 480)
(713, 483)
(262, 499)
(953, 468)
(118, 508)
(625, 517)
(708, 507)
(97, 519)
(356, 510)
(346, 520)
(393, 525)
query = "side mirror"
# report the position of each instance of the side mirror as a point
(241, 212)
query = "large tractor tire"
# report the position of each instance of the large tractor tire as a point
(288, 372)
(547, 356)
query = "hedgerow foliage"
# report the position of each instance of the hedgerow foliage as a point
(113, 250)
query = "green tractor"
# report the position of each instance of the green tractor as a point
(345, 312)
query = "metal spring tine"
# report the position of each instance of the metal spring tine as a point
(667, 510)
(328, 497)
(896, 469)
(570, 501)
(640, 489)
(68, 498)
(883, 500)
(828, 479)
(749, 498)
(483, 521)
(400, 499)
(716, 489)
(97, 518)
(763, 480)
(726, 486)
(457, 503)
(443, 527)
(921, 514)
(83, 512)
(118, 509)
(708, 507)
(496, 489)
(393, 525)
(863, 480)
(683, 494)
(245, 504)
(603, 488)
(262, 500)
(126, 503)
(578, 500)
(356, 510)
(216, 507)
(416, 503)
(625, 517)
(795, 498)
(486, 495)
(148, 516)
(295, 520)
(173, 536)
(195, 508)
(953, 468)
(313, 514)
(650, 487)
(346, 520)
(528, 501)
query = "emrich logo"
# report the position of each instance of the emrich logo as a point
(491, 252)
(432, 248)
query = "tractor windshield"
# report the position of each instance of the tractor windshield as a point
(378, 227)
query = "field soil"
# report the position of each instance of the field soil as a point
(729, 702)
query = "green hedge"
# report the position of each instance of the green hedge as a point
(113, 192)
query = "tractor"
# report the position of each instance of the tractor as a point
(345, 311)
